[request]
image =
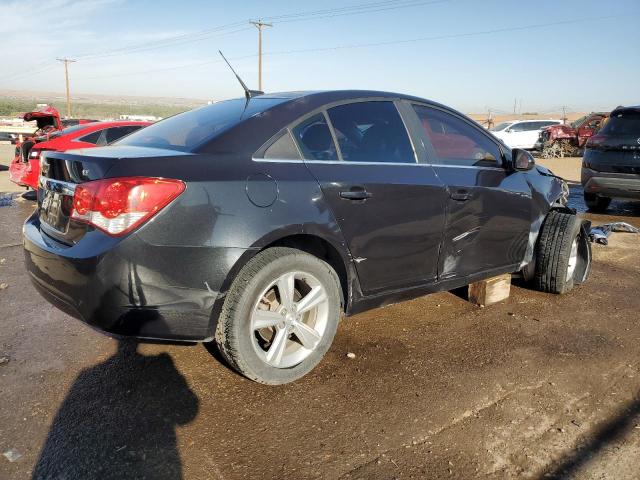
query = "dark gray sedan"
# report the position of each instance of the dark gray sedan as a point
(258, 222)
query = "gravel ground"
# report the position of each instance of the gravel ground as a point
(538, 386)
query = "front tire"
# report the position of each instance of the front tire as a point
(563, 256)
(596, 203)
(280, 316)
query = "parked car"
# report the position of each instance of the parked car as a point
(568, 140)
(611, 162)
(521, 133)
(25, 168)
(258, 222)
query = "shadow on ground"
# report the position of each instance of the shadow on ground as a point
(600, 438)
(118, 420)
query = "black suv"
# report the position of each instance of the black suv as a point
(257, 222)
(611, 162)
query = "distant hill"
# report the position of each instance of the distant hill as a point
(14, 102)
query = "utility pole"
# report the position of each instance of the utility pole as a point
(66, 62)
(489, 120)
(259, 24)
(564, 114)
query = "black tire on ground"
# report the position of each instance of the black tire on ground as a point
(596, 203)
(234, 334)
(553, 250)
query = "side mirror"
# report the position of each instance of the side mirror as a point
(521, 159)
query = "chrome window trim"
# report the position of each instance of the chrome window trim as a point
(344, 162)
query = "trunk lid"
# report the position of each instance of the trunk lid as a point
(61, 172)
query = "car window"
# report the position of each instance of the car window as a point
(189, 130)
(93, 137)
(282, 149)
(547, 124)
(500, 127)
(116, 133)
(626, 123)
(455, 141)
(315, 140)
(518, 127)
(595, 123)
(371, 132)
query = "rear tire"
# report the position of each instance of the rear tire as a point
(596, 203)
(561, 260)
(269, 335)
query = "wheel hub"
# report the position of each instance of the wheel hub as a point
(289, 319)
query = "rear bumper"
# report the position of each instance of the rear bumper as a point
(129, 287)
(612, 185)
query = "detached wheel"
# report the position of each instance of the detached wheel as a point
(280, 316)
(563, 254)
(596, 203)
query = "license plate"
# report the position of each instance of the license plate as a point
(51, 211)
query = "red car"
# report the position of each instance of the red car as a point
(25, 168)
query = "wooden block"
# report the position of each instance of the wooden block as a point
(492, 290)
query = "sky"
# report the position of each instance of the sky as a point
(470, 54)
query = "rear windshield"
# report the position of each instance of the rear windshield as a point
(623, 124)
(189, 130)
(67, 130)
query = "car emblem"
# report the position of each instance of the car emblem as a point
(638, 141)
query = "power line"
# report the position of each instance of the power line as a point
(442, 37)
(182, 39)
(375, 44)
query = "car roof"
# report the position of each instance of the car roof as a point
(621, 109)
(329, 96)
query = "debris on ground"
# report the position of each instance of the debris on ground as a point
(3, 286)
(4, 359)
(6, 200)
(12, 455)
(351, 355)
(600, 234)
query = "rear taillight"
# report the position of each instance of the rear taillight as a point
(595, 141)
(119, 205)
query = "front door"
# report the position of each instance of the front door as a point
(488, 207)
(389, 207)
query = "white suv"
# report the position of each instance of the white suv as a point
(521, 133)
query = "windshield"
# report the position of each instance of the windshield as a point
(500, 126)
(576, 123)
(188, 130)
(625, 124)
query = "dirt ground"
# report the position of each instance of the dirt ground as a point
(538, 386)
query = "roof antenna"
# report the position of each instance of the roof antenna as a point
(247, 93)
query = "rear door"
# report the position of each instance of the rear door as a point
(389, 206)
(517, 135)
(488, 207)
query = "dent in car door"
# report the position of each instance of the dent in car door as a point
(390, 209)
(488, 209)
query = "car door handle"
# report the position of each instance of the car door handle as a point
(460, 195)
(356, 194)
